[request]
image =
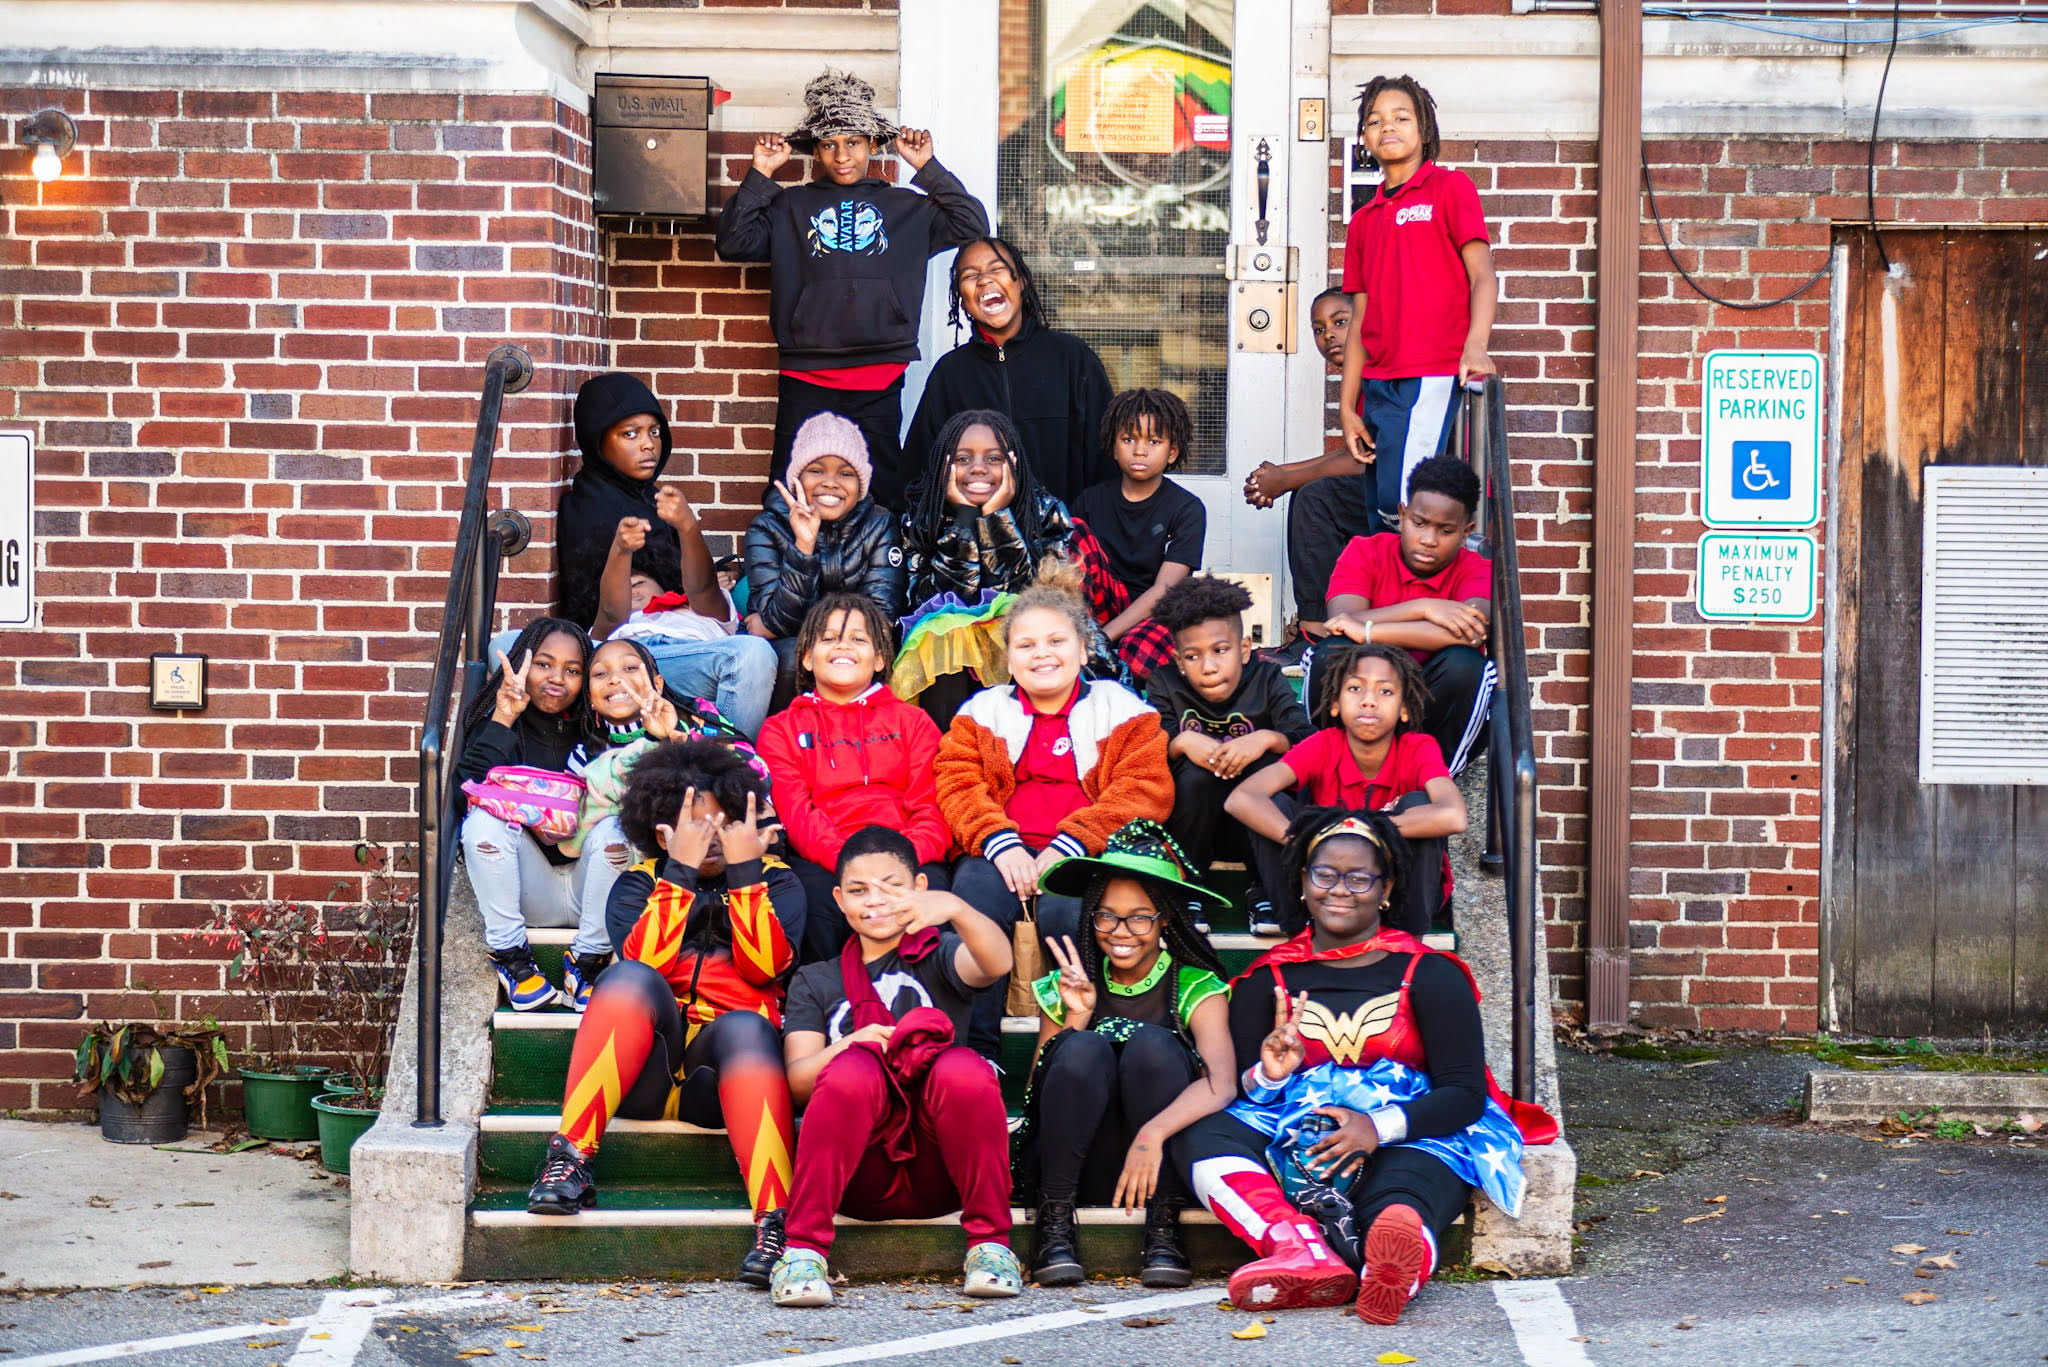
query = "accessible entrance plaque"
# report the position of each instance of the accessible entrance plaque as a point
(1757, 576)
(1760, 439)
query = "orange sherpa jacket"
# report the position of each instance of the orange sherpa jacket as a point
(1119, 751)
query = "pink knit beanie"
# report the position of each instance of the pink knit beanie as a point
(828, 434)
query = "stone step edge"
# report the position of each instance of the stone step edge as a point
(669, 1217)
(505, 1018)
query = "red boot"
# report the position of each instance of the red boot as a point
(1298, 1270)
(1399, 1256)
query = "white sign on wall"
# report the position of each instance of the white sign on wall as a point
(1757, 576)
(1760, 439)
(17, 527)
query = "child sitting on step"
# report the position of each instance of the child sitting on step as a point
(683, 1026)
(1134, 1045)
(900, 1122)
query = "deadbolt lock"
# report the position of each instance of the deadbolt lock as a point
(1264, 312)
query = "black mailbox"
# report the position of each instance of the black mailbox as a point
(651, 144)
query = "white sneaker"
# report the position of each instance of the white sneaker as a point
(799, 1280)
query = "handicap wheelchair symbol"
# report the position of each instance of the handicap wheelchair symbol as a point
(1762, 469)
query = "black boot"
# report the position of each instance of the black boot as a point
(1164, 1262)
(1056, 1264)
(770, 1242)
(565, 1185)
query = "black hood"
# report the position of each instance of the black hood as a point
(605, 401)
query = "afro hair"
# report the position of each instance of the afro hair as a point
(655, 789)
(1449, 476)
(1201, 598)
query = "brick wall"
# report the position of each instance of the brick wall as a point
(247, 328)
(1726, 797)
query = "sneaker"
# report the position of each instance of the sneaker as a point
(1198, 915)
(991, 1271)
(579, 979)
(1263, 919)
(1291, 655)
(1164, 1263)
(770, 1242)
(799, 1280)
(1056, 1263)
(1399, 1256)
(525, 986)
(1298, 1270)
(566, 1184)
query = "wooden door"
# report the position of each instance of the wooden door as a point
(1937, 910)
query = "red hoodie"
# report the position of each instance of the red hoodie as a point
(840, 766)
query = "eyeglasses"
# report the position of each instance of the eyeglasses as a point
(1358, 882)
(1000, 271)
(1139, 924)
(963, 461)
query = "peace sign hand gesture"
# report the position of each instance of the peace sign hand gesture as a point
(742, 840)
(1077, 993)
(512, 697)
(1283, 1052)
(803, 518)
(657, 714)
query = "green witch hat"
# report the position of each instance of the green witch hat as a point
(1142, 849)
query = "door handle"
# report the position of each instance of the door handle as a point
(1265, 180)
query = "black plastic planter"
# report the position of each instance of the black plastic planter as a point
(161, 1118)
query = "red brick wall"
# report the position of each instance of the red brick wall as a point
(1726, 797)
(247, 328)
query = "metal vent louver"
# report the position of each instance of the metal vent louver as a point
(1984, 625)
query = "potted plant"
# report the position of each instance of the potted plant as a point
(359, 967)
(274, 944)
(147, 1075)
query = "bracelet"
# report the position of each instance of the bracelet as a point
(1368, 631)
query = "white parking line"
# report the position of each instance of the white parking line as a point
(983, 1333)
(136, 1347)
(1545, 1329)
(338, 1329)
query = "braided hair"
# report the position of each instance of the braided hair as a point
(927, 497)
(1028, 302)
(691, 711)
(881, 632)
(1425, 114)
(580, 721)
(1164, 411)
(1303, 832)
(1336, 658)
(1177, 937)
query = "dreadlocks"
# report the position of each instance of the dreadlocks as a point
(1425, 113)
(857, 607)
(1303, 832)
(1027, 284)
(579, 723)
(1336, 659)
(1177, 934)
(927, 496)
(1160, 410)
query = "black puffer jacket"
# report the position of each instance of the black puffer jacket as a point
(969, 552)
(859, 553)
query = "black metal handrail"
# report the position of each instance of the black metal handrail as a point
(482, 541)
(1481, 435)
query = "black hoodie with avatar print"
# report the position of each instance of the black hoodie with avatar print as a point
(588, 515)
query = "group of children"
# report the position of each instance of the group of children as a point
(974, 697)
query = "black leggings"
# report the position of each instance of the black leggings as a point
(734, 1036)
(1395, 1176)
(1093, 1098)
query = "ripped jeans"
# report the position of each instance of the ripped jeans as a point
(518, 886)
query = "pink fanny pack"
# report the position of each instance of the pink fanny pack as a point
(544, 801)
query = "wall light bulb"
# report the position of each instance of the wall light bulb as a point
(47, 165)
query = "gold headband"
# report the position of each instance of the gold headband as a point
(1350, 825)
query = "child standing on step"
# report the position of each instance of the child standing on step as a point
(1369, 756)
(683, 1026)
(1134, 1045)
(1150, 529)
(848, 753)
(900, 1123)
(1227, 715)
(846, 256)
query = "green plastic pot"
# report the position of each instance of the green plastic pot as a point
(345, 1084)
(280, 1105)
(340, 1128)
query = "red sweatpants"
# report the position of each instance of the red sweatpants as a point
(960, 1161)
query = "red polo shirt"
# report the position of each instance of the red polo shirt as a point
(1048, 783)
(1327, 774)
(1401, 250)
(1372, 568)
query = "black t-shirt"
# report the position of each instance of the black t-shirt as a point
(1356, 1004)
(817, 995)
(1140, 537)
(1264, 701)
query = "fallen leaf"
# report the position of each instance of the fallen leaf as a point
(1838, 1212)
(1943, 1262)
(1951, 1172)
(160, 1262)
(100, 1202)
(1494, 1266)
(1909, 1249)
(1648, 1210)
(1920, 1297)
(277, 1319)
(1394, 1357)
(561, 1310)
(1646, 1172)
(534, 1357)
(1765, 1180)
(183, 1204)
(1923, 1272)
(1147, 1321)
(1012, 1362)
(527, 1328)
(322, 1335)
(1855, 1281)
(216, 1290)
(1710, 1215)
(12, 1196)
(1714, 1200)
(515, 1343)
(1254, 1330)
(478, 1353)
(1964, 1232)
(1685, 1324)
(264, 1343)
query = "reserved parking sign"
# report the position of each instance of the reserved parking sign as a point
(17, 527)
(1760, 439)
